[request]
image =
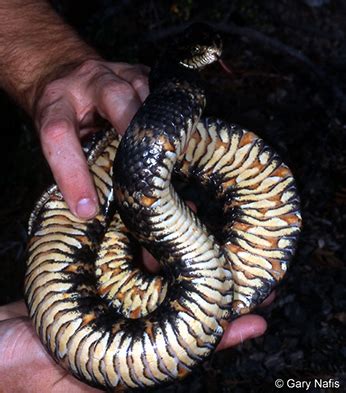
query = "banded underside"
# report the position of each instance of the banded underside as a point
(259, 200)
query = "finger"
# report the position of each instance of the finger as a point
(117, 101)
(61, 146)
(242, 329)
(150, 262)
(268, 300)
(192, 206)
(26, 366)
(137, 76)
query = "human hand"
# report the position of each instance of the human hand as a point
(70, 106)
(64, 85)
(25, 366)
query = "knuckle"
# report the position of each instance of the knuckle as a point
(139, 82)
(50, 90)
(90, 66)
(55, 130)
(69, 80)
(50, 94)
(118, 89)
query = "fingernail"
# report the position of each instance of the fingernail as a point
(86, 208)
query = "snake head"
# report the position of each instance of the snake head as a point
(190, 51)
(199, 46)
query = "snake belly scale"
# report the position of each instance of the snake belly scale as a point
(104, 319)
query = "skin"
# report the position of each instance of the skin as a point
(66, 87)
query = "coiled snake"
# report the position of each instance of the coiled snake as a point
(102, 318)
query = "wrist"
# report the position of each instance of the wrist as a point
(36, 47)
(56, 69)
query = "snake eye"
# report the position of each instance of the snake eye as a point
(196, 50)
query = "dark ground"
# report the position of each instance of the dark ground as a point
(288, 85)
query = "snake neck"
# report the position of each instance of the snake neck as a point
(169, 70)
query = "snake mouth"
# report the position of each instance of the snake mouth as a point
(205, 57)
(201, 55)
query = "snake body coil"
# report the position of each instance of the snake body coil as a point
(98, 314)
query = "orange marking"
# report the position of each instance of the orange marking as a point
(106, 167)
(104, 289)
(84, 240)
(276, 198)
(248, 275)
(237, 305)
(233, 248)
(257, 164)
(182, 371)
(276, 270)
(119, 194)
(243, 310)
(208, 140)
(281, 172)
(185, 167)
(224, 323)
(158, 285)
(136, 313)
(116, 327)
(33, 241)
(199, 341)
(105, 268)
(166, 143)
(88, 318)
(115, 271)
(147, 201)
(220, 144)
(138, 291)
(247, 138)
(72, 268)
(149, 330)
(228, 183)
(55, 197)
(241, 226)
(121, 388)
(178, 307)
(291, 219)
(196, 136)
(273, 241)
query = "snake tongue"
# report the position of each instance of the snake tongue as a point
(225, 67)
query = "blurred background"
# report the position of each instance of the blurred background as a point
(288, 84)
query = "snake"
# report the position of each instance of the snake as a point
(100, 315)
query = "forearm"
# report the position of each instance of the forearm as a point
(65, 86)
(36, 46)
